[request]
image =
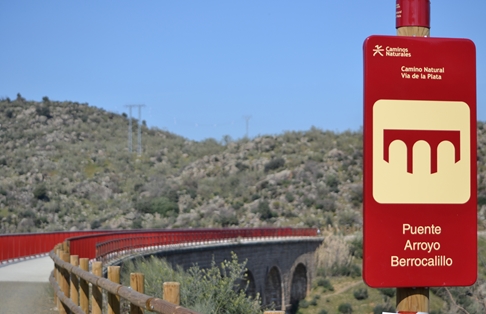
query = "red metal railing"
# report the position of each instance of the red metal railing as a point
(18, 246)
(156, 239)
(99, 243)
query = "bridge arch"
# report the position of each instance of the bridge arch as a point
(273, 288)
(251, 290)
(298, 286)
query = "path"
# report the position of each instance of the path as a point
(24, 287)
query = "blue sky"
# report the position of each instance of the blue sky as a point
(200, 66)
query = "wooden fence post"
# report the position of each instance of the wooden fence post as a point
(137, 284)
(172, 292)
(113, 299)
(96, 295)
(74, 293)
(65, 247)
(64, 282)
(56, 276)
(84, 286)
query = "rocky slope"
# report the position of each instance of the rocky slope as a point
(66, 166)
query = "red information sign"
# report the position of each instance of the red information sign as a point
(419, 162)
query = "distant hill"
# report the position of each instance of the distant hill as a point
(66, 166)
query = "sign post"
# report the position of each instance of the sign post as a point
(413, 19)
(419, 160)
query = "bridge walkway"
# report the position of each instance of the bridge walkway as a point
(24, 287)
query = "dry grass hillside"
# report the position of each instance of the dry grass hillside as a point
(66, 166)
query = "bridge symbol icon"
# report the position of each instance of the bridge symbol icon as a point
(432, 137)
(421, 152)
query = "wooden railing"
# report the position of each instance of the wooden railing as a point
(70, 282)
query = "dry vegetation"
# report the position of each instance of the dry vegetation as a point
(66, 166)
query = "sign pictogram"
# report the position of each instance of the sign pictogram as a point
(378, 50)
(419, 162)
(431, 137)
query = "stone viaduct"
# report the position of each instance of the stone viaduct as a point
(279, 270)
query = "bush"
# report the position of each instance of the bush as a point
(40, 192)
(95, 224)
(350, 269)
(137, 223)
(161, 205)
(325, 283)
(43, 111)
(332, 182)
(345, 308)
(264, 210)
(289, 197)
(388, 292)
(323, 312)
(380, 308)
(361, 294)
(308, 201)
(356, 247)
(274, 164)
(303, 304)
(209, 290)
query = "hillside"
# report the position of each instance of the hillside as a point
(66, 166)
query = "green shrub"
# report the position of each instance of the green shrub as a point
(356, 247)
(349, 269)
(213, 290)
(137, 223)
(264, 210)
(40, 192)
(289, 197)
(323, 311)
(241, 166)
(389, 292)
(308, 201)
(380, 308)
(95, 224)
(274, 164)
(161, 205)
(325, 283)
(43, 111)
(345, 308)
(332, 182)
(303, 304)
(361, 294)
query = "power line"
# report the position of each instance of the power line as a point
(247, 119)
(139, 135)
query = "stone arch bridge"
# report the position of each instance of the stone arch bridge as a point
(279, 270)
